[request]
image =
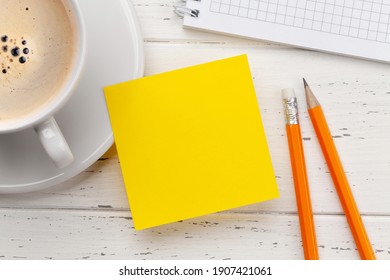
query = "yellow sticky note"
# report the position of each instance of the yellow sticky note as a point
(191, 142)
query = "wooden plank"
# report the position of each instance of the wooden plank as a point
(41, 234)
(355, 95)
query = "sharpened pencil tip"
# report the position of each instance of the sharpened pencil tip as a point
(305, 83)
(310, 98)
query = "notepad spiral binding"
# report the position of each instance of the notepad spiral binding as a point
(182, 11)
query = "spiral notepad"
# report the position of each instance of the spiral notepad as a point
(349, 27)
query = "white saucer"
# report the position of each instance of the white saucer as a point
(115, 54)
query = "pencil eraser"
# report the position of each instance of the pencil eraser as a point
(288, 93)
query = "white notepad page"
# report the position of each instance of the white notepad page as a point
(350, 27)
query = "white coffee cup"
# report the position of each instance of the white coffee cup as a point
(42, 120)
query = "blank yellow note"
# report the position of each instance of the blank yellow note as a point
(191, 142)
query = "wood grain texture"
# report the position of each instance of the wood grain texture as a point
(110, 235)
(88, 216)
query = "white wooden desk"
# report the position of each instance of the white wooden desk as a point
(88, 216)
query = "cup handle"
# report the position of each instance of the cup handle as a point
(54, 143)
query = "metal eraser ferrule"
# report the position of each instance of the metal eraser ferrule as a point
(291, 110)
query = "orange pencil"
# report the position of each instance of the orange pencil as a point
(301, 185)
(339, 179)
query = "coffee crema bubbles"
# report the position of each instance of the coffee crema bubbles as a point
(12, 51)
(38, 52)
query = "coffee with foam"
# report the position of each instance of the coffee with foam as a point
(37, 54)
